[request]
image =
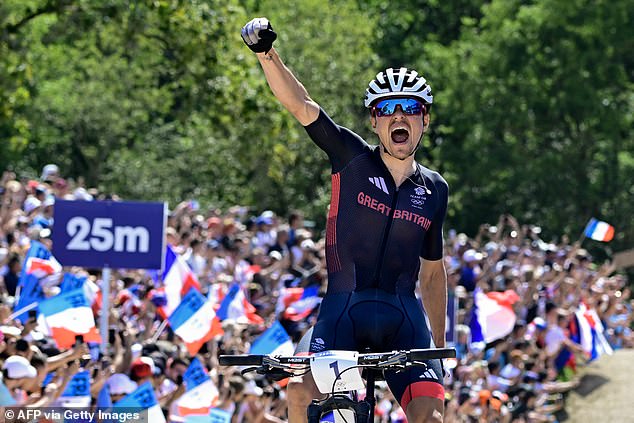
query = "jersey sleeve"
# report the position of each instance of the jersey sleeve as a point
(433, 245)
(340, 144)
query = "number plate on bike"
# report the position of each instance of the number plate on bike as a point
(334, 371)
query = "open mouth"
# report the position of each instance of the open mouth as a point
(400, 135)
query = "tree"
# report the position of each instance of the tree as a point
(537, 114)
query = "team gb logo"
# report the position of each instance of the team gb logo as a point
(418, 198)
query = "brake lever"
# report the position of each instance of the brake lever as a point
(276, 374)
(250, 369)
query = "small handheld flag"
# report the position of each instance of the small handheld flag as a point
(235, 306)
(201, 394)
(304, 306)
(77, 392)
(274, 341)
(195, 374)
(599, 231)
(194, 321)
(67, 315)
(142, 400)
(38, 264)
(178, 279)
(492, 316)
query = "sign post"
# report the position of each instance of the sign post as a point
(105, 311)
(109, 234)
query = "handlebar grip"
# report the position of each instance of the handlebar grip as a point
(240, 360)
(432, 354)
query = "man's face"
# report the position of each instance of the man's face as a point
(177, 370)
(35, 383)
(399, 132)
(24, 383)
(116, 397)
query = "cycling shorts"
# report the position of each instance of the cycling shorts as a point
(374, 320)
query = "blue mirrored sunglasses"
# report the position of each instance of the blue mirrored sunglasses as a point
(409, 106)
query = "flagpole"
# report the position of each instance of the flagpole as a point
(159, 330)
(20, 311)
(18, 291)
(105, 312)
(582, 237)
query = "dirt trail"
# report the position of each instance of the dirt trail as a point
(606, 392)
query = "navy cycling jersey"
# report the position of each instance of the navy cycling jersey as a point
(377, 232)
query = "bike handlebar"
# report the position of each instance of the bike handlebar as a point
(432, 353)
(379, 360)
(241, 360)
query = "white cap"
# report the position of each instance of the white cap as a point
(120, 384)
(471, 255)
(18, 367)
(540, 323)
(81, 194)
(307, 244)
(48, 170)
(136, 350)
(30, 204)
(49, 201)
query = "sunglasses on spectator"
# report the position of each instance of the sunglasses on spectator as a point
(409, 106)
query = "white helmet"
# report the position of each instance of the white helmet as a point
(401, 82)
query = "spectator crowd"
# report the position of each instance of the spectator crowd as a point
(520, 377)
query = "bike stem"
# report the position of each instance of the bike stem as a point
(369, 389)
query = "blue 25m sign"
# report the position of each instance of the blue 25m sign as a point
(109, 234)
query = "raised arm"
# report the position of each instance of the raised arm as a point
(259, 36)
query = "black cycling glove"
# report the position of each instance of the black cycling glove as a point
(258, 35)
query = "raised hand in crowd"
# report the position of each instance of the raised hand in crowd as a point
(101, 371)
(71, 355)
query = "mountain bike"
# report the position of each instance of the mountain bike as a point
(337, 375)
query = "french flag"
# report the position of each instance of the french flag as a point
(201, 394)
(178, 279)
(38, 264)
(274, 341)
(67, 315)
(41, 268)
(77, 392)
(492, 316)
(91, 289)
(195, 321)
(143, 399)
(289, 296)
(301, 308)
(590, 333)
(599, 231)
(235, 306)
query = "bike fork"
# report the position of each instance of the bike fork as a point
(362, 410)
(314, 413)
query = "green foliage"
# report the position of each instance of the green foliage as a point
(160, 100)
(539, 108)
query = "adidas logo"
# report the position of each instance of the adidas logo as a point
(379, 182)
(429, 374)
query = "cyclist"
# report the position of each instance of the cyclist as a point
(384, 230)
